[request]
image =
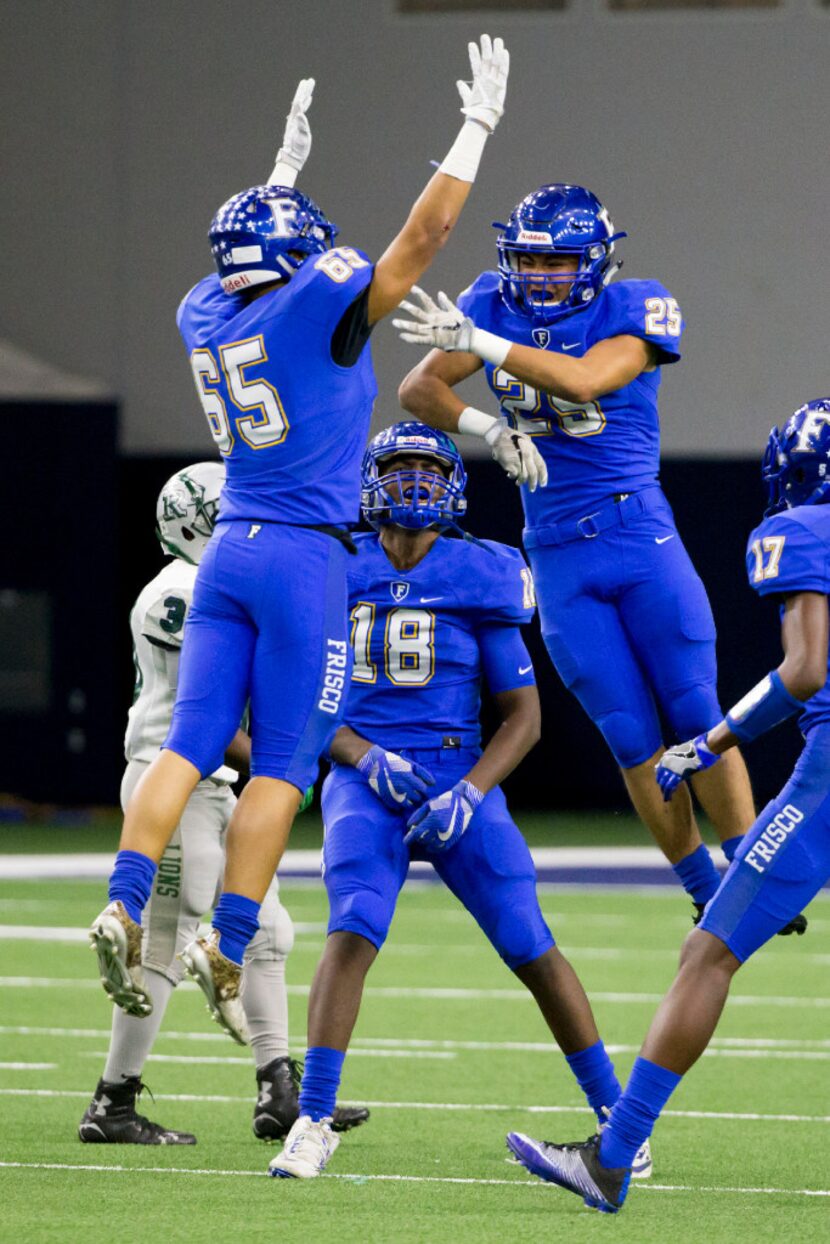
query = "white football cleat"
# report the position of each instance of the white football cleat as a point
(220, 980)
(116, 939)
(642, 1167)
(308, 1147)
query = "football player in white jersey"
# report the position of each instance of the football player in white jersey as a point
(190, 872)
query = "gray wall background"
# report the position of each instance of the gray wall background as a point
(127, 122)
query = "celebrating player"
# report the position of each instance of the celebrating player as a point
(575, 364)
(784, 859)
(190, 869)
(430, 617)
(277, 341)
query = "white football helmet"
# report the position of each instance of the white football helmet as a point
(187, 509)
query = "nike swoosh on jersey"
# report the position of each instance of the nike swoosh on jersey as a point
(662, 539)
(427, 600)
(572, 345)
(525, 669)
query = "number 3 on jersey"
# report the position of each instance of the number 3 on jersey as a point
(408, 645)
(261, 421)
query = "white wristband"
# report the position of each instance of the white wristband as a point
(283, 174)
(489, 347)
(472, 422)
(464, 156)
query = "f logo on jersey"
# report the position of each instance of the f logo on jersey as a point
(399, 590)
(542, 337)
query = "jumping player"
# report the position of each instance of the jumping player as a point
(277, 342)
(190, 871)
(430, 618)
(575, 363)
(784, 859)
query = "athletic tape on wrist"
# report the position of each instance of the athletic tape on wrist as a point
(489, 347)
(472, 422)
(464, 156)
(765, 706)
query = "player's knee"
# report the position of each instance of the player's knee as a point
(520, 934)
(362, 911)
(630, 740)
(703, 951)
(692, 710)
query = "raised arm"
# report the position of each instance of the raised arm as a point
(436, 211)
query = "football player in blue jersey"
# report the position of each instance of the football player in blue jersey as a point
(575, 364)
(278, 344)
(784, 859)
(430, 617)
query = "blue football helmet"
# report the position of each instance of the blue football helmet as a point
(796, 462)
(413, 499)
(556, 220)
(265, 234)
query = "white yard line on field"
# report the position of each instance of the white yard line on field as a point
(28, 1066)
(446, 994)
(416, 1179)
(457, 1107)
(222, 1060)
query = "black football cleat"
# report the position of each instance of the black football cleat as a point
(797, 925)
(574, 1167)
(111, 1119)
(277, 1105)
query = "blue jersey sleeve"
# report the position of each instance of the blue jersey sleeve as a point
(503, 585)
(785, 556)
(505, 660)
(647, 310)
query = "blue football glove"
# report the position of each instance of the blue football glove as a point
(681, 762)
(400, 783)
(440, 822)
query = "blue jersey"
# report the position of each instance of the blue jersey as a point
(420, 640)
(601, 448)
(290, 423)
(790, 552)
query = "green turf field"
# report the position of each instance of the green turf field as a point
(451, 1055)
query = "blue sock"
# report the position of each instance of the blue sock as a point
(236, 920)
(632, 1119)
(595, 1073)
(730, 846)
(131, 881)
(321, 1080)
(698, 875)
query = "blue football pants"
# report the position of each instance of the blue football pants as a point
(489, 870)
(268, 628)
(627, 623)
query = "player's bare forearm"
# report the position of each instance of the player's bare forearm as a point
(607, 366)
(348, 747)
(238, 753)
(520, 730)
(427, 391)
(427, 229)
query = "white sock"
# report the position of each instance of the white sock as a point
(265, 1002)
(132, 1037)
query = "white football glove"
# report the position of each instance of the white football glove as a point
(484, 100)
(438, 324)
(296, 141)
(519, 457)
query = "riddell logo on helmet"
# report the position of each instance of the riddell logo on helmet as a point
(231, 283)
(534, 235)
